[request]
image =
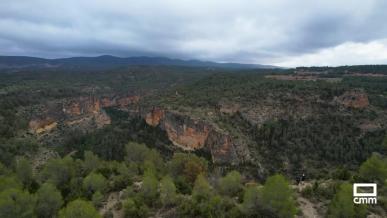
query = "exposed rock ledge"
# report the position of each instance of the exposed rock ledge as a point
(191, 134)
(354, 99)
(182, 130)
(84, 111)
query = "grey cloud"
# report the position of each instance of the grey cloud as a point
(244, 30)
(329, 29)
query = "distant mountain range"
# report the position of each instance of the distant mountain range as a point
(107, 61)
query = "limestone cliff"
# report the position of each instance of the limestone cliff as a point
(192, 134)
(83, 105)
(42, 125)
(154, 116)
(83, 111)
(354, 99)
(224, 150)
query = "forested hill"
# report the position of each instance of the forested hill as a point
(107, 61)
(367, 69)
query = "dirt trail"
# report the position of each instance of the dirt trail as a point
(110, 204)
(307, 208)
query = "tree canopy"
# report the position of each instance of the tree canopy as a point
(80, 209)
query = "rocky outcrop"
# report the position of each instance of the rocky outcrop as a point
(83, 105)
(354, 99)
(222, 148)
(102, 119)
(42, 125)
(184, 132)
(192, 134)
(154, 116)
(82, 111)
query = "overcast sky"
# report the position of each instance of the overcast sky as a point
(279, 32)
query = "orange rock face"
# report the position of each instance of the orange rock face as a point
(102, 119)
(47, 128)
(354, 99)
(83, 105)
(182, 131)
(222, 148)
(225, 147)
(42, 125)
(76, 111)
(187, 138)
(96, 106)
(153, 118)
(190, 134)
(85, 111)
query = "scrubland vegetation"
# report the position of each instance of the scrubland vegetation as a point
(148, 185)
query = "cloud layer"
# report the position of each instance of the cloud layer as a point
(283, 32)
